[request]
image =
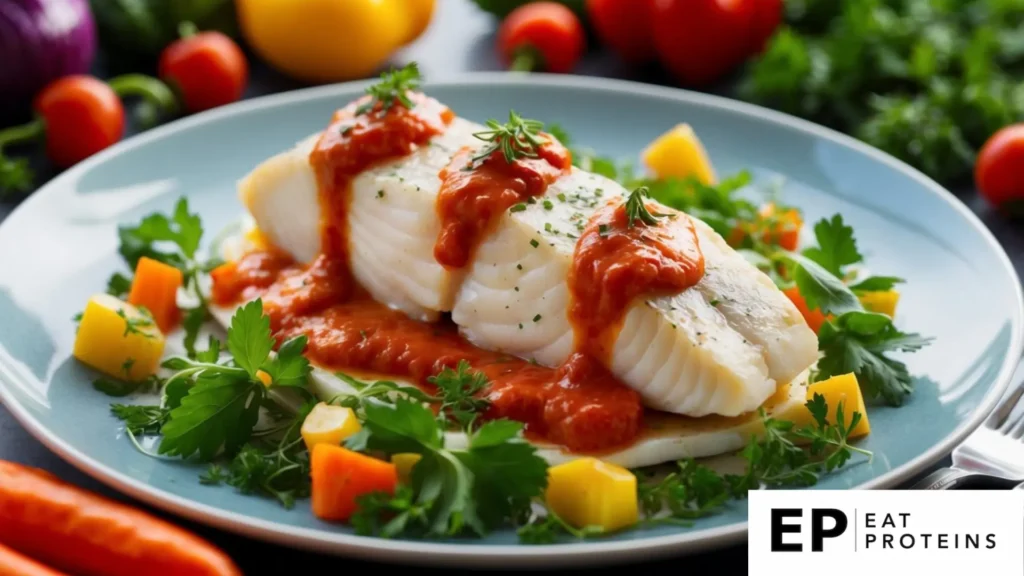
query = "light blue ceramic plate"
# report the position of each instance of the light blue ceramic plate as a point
(60, 246)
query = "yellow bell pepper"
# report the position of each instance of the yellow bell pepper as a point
(678, 153)
(881, 302)
(843, 388)
(328, 424)
(589, 492)
(117, 339)
(403, 465)
(331, 40)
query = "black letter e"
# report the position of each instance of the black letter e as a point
(779, 528)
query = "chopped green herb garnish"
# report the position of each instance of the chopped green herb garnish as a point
(520, 207)
(534, 243)
(636, 209)
(133, 325)
(394, 86)
(518, 138)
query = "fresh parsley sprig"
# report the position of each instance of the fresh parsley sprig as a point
(777, 460)
(458, 395)
(547, 527)
(394, 86)
(141, 419)
(453, 491)
(689, 492)
(217, 403)
(852, 339)
(275, 464)
(518, 138)
(457, 398)
(636, 209)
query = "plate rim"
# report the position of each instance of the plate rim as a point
(490, 555)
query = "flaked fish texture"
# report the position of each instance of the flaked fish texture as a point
(392, 220)
(721, 347)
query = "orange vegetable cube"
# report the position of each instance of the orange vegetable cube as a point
(340, 476)
(156, 288)
(814, 318)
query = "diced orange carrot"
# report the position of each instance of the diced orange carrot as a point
(156, 287)
(814, 318)
(340, 476)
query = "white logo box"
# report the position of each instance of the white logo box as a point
(933, 532)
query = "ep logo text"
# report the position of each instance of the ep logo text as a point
(824, 523)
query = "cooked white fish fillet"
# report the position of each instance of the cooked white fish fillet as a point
(721, 347)
(718, 348)
(667, 437)
(392, 222)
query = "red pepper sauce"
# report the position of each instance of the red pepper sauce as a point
(471, 200)
(614, 264)
(579, 405)
(354, 142)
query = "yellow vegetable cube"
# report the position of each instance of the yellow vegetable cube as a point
(117, 339)
(881, 302)
(328, 424)
(265, 377)
(678, 153)
(403, 465)
(843, 388)
(589, 492)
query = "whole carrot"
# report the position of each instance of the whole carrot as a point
(14, 564)
(84, 533)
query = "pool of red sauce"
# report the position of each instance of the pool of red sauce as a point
(470, 201)
(614, 264)
(578, 405)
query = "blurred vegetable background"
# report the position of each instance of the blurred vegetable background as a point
(139, 30)
(928, 81)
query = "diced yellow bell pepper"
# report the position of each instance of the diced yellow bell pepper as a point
(403, 465)
(843, 388)
(328, 424)
(589, 492)
(881, 302)
(117, 339)
(679, 153)
(265, 377)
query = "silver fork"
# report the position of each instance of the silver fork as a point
(993, 453)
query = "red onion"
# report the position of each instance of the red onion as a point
(40, 41)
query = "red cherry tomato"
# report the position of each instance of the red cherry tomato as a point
(699, 41)
(82, 116)
(625, 27)
(767, 17)
(999, 170)
(541, 35)
(208, 69)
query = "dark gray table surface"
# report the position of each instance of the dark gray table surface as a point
(460, 39)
